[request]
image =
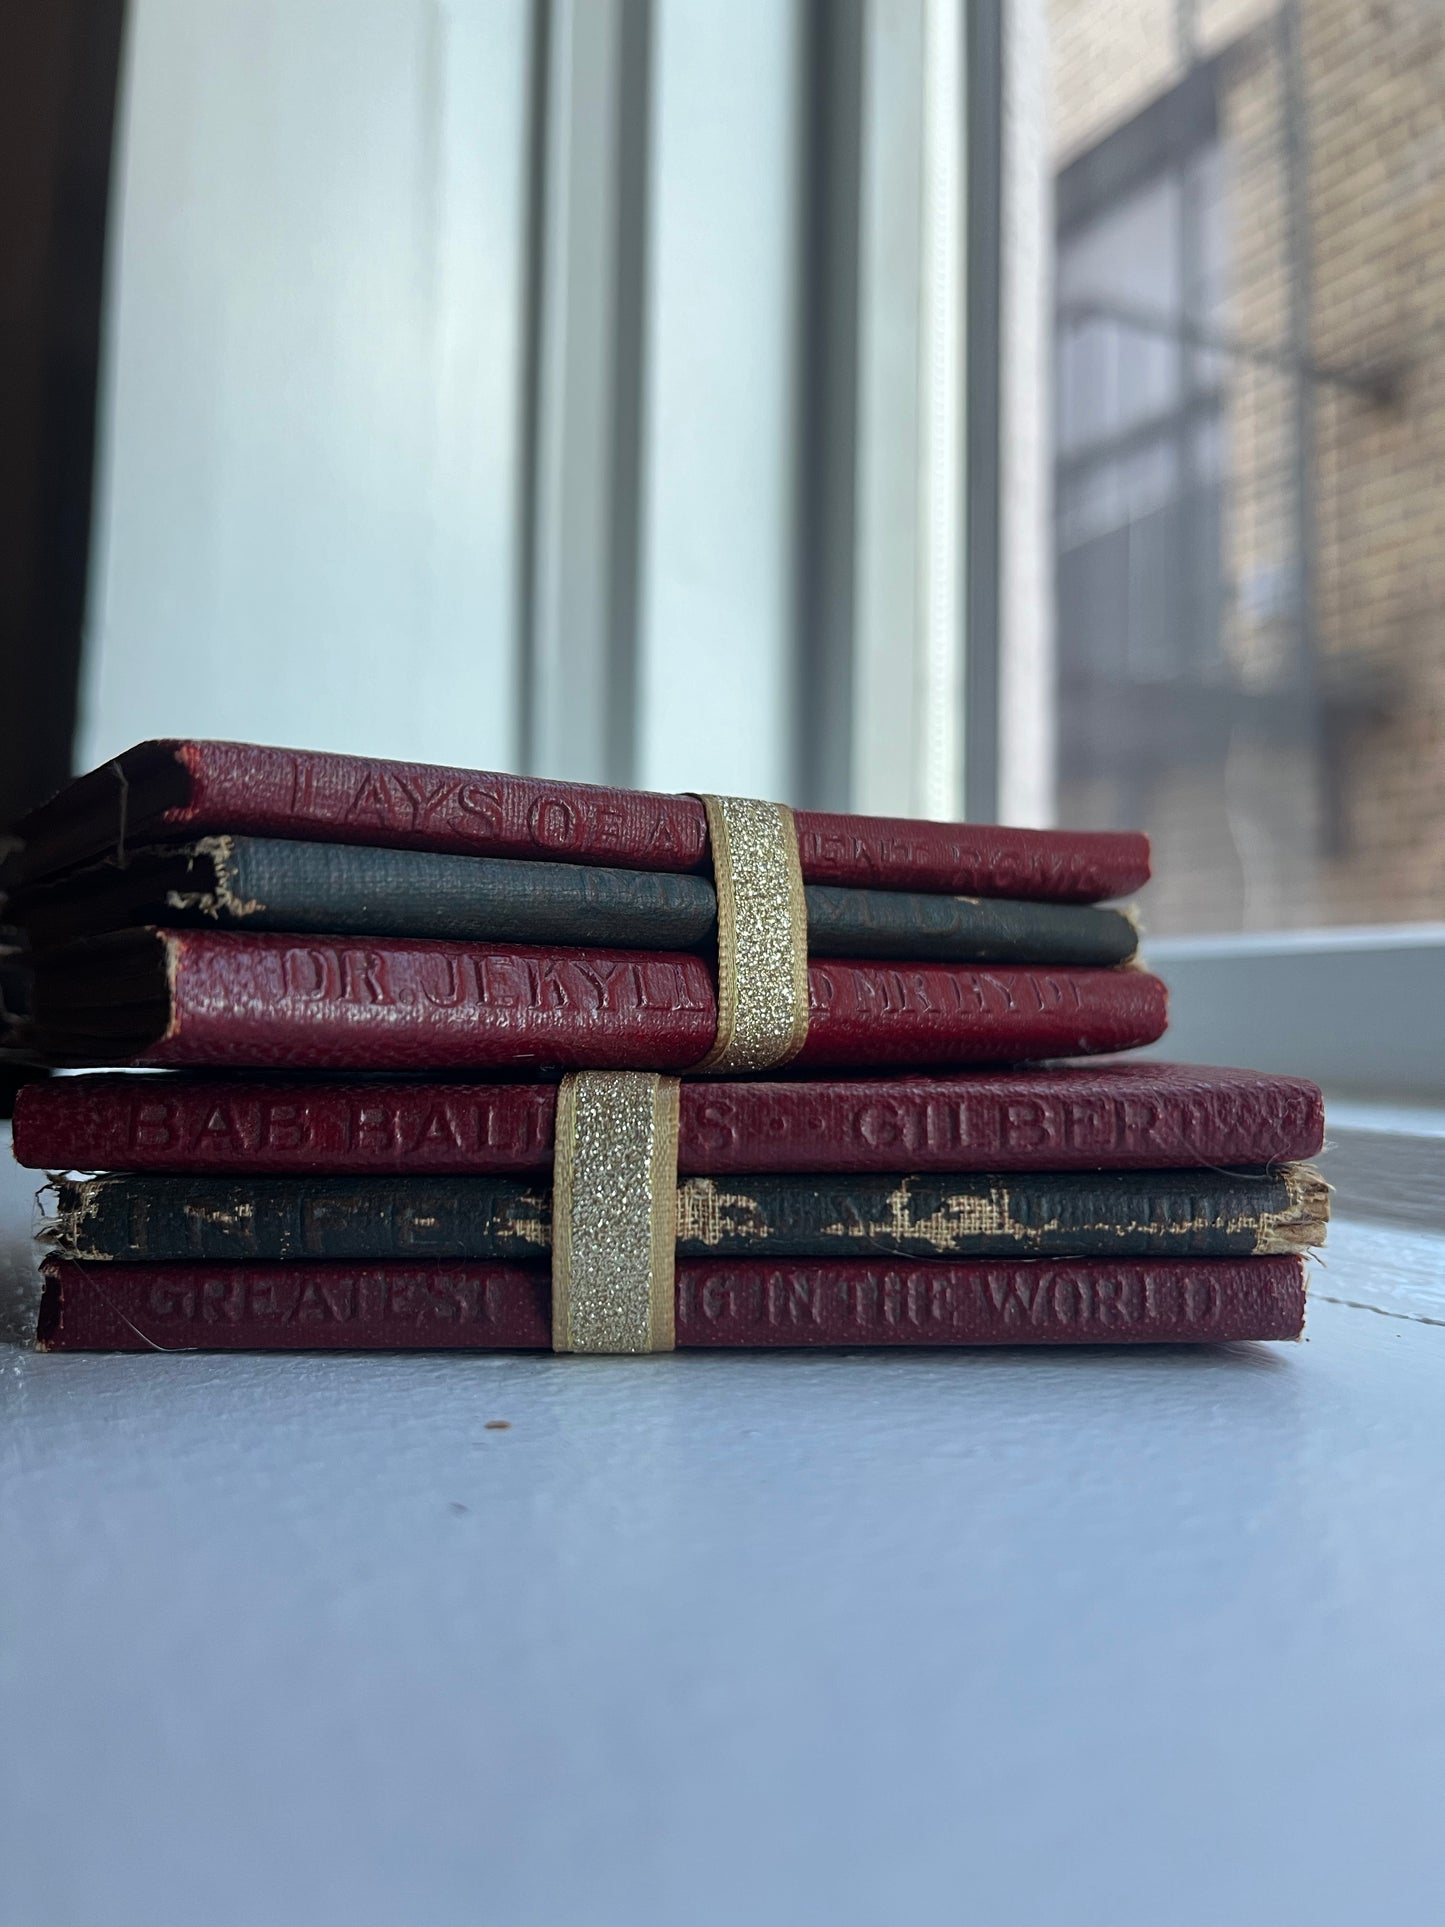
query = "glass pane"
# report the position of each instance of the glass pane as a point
(1249, 439)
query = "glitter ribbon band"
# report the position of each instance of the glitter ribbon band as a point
(762, 935)
(614, 1212)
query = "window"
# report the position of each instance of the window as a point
(1249, 432)
(1034, 407)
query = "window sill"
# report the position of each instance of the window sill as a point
(1386, 1162)
(1357, 1010)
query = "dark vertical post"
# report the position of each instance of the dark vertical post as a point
(59, 80)
(586, 326)
(831, 119)
(984, 225)
(629, 352)
(535, 230)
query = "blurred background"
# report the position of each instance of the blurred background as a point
(1032, 409)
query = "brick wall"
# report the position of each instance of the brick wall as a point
(1378, 207)
(1354, 830)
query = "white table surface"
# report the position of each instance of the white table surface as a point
(1094, 1637)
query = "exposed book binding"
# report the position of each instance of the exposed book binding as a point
(1057, 1117)
(188, 788)
(149, 1218)
(731, 1302)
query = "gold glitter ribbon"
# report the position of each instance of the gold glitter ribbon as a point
(614, 1212)
(762, 935)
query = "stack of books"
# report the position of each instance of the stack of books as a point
(334, 996)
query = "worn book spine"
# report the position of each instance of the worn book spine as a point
(720, 1303)
(179, 788)
(268, 883)
(1058, 1117)
(258, 1001)
(1198, 1214)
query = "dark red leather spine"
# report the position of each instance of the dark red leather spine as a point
(971, 859)
(315, 1307)
(869, 1013)
(1058, 1118)
(257, 1001)
(350, 799)
(294, 1307)
(258, 791)
(1020, 1302)
(254, 1001)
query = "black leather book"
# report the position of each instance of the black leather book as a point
(1046, 1214)
(340, 889)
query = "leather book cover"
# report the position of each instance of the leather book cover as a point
(1056, 1214)
(720, 1302)
(267, 883)
(1059, 1117)
(173, 789)
(258, 1001)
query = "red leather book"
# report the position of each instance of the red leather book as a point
(497, 1307)
(251, 1000)
(1107, 1116)
(164, 789)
